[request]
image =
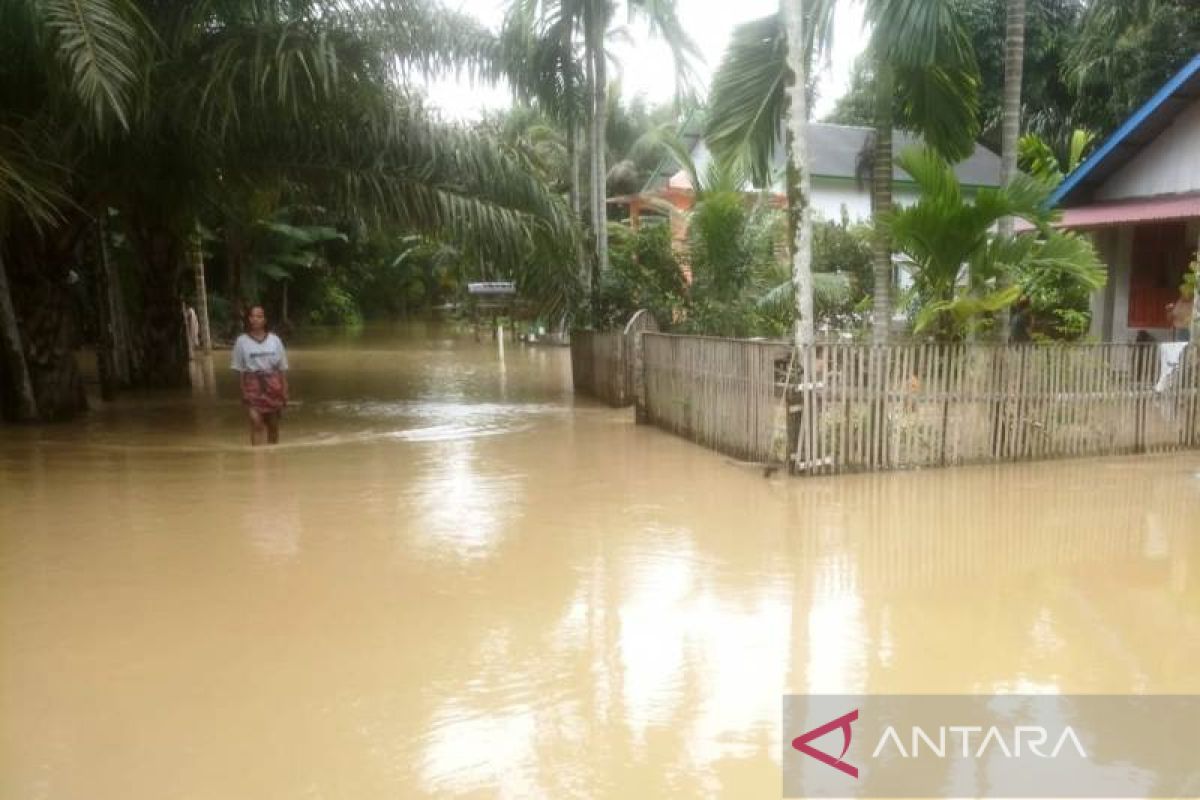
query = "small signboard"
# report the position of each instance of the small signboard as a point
(492, 289)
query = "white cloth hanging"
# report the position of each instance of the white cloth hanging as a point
(1169, 355)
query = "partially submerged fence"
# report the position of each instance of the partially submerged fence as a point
(607, 364)
(856, 407)
(836, 408)
(851, 407)
(722, 393)
(598, 366)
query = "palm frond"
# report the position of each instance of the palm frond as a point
(748, 97)
(942, 103)
(428, 37)
(830, 290)
(665, 139)
(397, 165)
(919, 33)
(30, 186)
(98, 43)
(966, 307)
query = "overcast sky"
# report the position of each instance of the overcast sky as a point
(645, 64)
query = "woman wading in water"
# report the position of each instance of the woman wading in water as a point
(261, 361)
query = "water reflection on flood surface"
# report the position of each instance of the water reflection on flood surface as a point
(455, 578)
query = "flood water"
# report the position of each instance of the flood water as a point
(454, 579)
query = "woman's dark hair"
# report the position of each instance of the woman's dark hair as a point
(249, 311)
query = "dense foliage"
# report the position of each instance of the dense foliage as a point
(237, 118)
(962, 270)
(278, 149)
(644, 274)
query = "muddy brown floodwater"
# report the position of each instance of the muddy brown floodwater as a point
(456, 579)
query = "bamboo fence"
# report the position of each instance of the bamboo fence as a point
(598, 366)
(853, 407)
(862, 407)
(721, 393)
(608, 365)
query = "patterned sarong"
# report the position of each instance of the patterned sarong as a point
(263, 391)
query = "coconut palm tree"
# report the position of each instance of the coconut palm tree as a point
(1010, 130)
(926, 78)
(799, 184)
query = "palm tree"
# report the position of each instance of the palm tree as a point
(927, 80)
(799, 184)
(1014, 65)
(1038, 158)
(155, 108)
(941, 232)
(718, 224)
(592, 19)
(68, 78)
(542, 64)
(925, 69)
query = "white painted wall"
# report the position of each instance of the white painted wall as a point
(829, 197)
(1168, 165)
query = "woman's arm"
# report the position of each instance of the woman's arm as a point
(284, 380)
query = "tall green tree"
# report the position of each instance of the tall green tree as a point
(925, 76)
(1046, 96)
(799, 183)
(925, 67)
(1123, 51)
(591, 21)
(1014, 66)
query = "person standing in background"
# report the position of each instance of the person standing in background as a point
(261, 361)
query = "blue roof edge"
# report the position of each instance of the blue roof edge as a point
(1127, 128)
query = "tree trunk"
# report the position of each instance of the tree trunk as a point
(574, 143)
(112, 309)
(48, 322)
(589, 66)
(197, 257)
(573, 157)
(599, 20)
(799, 186)
(162, 335)
(106, 350)
(25, 407)
(1014, 68)
(881, 204)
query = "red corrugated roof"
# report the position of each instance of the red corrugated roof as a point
(1153, 209)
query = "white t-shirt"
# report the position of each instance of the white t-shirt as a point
(250, 355)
